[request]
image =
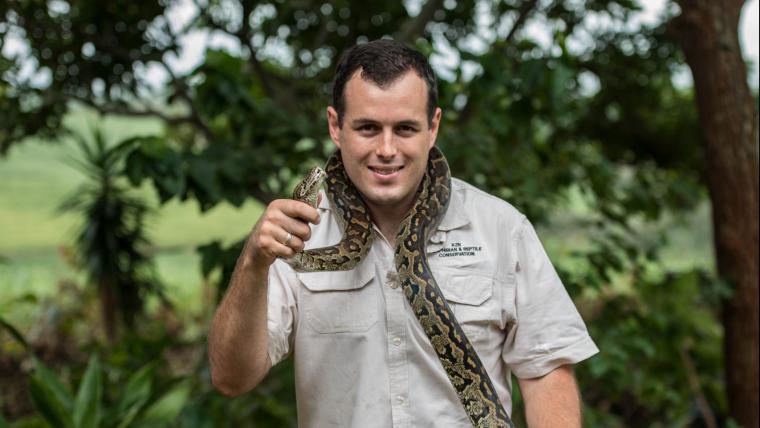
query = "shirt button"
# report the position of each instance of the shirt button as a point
(400, 400)
(391, 278)
(396, 341)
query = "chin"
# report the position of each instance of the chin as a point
(382, 197)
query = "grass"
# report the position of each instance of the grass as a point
(688, 238)
(36, 177)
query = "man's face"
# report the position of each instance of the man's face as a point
(385, 138)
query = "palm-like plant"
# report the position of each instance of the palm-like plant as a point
(111, 242)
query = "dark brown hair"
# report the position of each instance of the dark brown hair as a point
(382, 62)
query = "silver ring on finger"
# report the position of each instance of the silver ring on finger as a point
(288, 239)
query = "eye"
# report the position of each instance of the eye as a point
(406, 129)
(367, 128)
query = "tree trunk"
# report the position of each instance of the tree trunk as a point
(108, 307)
(707, 31)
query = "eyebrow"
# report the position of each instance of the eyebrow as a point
(364, 121)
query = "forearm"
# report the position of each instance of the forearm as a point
(552, 400)
(238, 339)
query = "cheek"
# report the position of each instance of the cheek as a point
(355, 156)
(353, 169)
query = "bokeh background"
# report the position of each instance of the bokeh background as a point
(139, 142)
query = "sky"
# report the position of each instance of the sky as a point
(748, 33)
(748, 30)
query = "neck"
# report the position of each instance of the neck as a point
(388, 218)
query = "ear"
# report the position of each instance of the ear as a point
(333, 126)
(434, 126)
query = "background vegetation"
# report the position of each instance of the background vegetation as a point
(593, 131)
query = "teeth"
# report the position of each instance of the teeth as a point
(385, 171)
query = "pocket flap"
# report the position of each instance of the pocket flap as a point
(464, 288)
(338, 280)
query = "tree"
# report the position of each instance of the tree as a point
(111, 243)
(707, 31)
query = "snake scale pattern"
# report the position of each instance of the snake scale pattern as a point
(459, 359)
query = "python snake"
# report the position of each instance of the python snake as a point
(459, 359)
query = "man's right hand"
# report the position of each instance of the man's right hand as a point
(238, 341)
(281, 217)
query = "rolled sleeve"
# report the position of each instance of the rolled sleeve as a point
(547, 331)
(281, 311)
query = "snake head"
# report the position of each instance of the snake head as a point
(308, 188)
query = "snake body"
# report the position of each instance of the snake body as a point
(353, 217)
(459, 359)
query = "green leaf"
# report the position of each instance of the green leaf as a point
(87, 406)
(3, 422)
(52, 383)
(14, 333)
(210, 255)
(45, 399)
(136, 394)
(154, 147)
(203, 175)
(168, 406)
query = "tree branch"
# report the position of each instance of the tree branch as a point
(244, 37)
(525, 9)
(319, 40)
(693, 378)
(415, 27)
(127, 111)
(181, 89)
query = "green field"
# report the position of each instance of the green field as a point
(35, 177)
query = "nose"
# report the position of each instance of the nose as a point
(387, 145)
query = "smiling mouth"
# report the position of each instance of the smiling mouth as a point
(386, 170)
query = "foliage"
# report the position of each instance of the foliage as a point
(271, 405)
(148, 378)
(111, 243)
(667, 327)
(215, 257)
(15, 334)
(244, 134)
(140, 403)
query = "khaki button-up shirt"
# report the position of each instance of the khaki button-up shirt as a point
(362, 359)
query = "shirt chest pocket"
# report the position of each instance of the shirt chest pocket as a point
(471, 298)
(339, 302)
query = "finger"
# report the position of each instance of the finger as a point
(291, 241)
(281, 250)
(275, 247)
(295, 243)
(302, 210)
(295, 226)
(283, 235)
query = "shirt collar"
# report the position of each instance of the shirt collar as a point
(324, 203)
(455, 214)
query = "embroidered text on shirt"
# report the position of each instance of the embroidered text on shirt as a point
(456, 249)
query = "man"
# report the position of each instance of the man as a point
(361, 357)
